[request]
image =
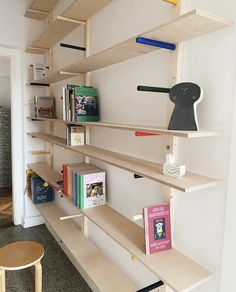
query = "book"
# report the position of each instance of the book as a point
(75, 135)
(44, 107)
(40, 192)
(39, 71)
(92, 189)
(86, 104)
(157, 228)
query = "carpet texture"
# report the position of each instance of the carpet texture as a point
(59, 275)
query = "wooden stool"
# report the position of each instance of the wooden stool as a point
(20, 255)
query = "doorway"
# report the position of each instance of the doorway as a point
(13, 57)
(6, 215)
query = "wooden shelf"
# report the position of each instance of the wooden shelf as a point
(45, 172)
(72, 17)
(177, 270)
(39, 9)
(189, 182)
(188, 26)
(94, 266)
(141, 128)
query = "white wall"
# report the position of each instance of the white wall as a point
(209, 61)
(5, 88)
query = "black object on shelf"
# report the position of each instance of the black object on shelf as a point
(153, 89)
(152, 286)
(39, 84)
(72, 47)
(137, 176)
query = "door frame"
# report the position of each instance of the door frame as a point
(17, 130)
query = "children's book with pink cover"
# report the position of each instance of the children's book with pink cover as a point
(157, 228)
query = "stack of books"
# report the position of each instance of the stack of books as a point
(84, 184)
(80, 103)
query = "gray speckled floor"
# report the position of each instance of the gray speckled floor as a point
(59, 275)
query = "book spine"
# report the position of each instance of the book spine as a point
(69, 182)
(146, 230)
(64, 168)
(64, 104)
(78, 191)
(74, 186)
(81, 192)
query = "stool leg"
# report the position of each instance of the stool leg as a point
(38, 277)
(3, 281)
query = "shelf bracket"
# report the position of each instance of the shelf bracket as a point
(153, 89)
(37, 11)
(173, 2)
(72, 47)
(71, 20)
(155, 43)
(71, 216)
(152, 287)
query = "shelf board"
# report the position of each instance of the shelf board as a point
(177, 270)
(189, 182)
(141, 128)
(90, 259)
(78, 11)
(170, 265)
(39, 9)
(190, 25)
(47, 173)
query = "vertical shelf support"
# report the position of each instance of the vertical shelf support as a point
(172, 142)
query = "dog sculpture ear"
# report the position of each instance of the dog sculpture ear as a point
(185, 96)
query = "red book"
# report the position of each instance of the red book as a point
(157, 228)
(64, 169)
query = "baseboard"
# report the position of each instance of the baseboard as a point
(32, 221)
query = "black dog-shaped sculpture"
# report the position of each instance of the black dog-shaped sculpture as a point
(185, 96)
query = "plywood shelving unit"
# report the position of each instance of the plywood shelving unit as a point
(98, 271)
(189, 182)
(177, 271)
(186, 27)
(139, 128)
(39, 9)
(78, 13)
(168, 265)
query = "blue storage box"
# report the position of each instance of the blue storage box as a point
(40, 192)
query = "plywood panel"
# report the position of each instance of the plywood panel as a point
(189, 182)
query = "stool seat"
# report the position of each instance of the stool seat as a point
(20, 255)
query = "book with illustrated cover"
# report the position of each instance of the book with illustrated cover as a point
(157, 228)
(86, 104)
(75, 135)
(40, 71)
(92, 189)
(40, 192)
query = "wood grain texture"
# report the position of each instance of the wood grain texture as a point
(189, 182)
(79, 10)
(188, 26)
(20, 254)
(177, 270)
(141, 128)
(41, 6)
(105, 276)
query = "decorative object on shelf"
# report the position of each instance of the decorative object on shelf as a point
(185, 96)
(157, 228)
(39, 71)
(40, 192)
(170, 168)
(44, 107)
(75, 135)
(155, 43)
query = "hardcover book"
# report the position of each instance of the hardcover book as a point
(75, 135)
(92, 189)
(157, 228)
(40, 192)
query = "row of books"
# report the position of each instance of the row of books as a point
(84, 184)
(80, 103)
